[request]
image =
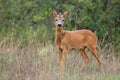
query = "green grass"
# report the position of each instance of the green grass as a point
(41, 64)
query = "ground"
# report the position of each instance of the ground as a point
(18, 63)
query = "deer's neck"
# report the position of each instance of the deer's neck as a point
(59, 35)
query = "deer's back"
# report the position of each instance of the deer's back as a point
(79, 38)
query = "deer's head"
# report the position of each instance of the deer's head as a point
(59, 18)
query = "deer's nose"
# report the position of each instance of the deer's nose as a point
(59, 25)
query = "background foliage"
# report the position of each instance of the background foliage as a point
(30, 22)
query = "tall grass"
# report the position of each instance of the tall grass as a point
(26, 54)
(41, 64)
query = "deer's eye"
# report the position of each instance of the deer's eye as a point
(62, 20)
(56, 19)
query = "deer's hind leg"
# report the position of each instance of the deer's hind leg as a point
(85, 57)
(95, 53)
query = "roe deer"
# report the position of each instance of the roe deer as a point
(78, 39)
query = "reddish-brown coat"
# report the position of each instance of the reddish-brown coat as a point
(78, 39)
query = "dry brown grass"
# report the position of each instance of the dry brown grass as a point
(40, 63)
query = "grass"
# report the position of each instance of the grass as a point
(40, 63)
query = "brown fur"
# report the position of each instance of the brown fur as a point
(79, 39)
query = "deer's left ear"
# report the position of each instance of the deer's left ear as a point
(65, 14)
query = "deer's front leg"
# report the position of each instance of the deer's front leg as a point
(65, 52)
(62, 57)
(61, 62)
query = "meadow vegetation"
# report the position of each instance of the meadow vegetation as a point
(27, 49)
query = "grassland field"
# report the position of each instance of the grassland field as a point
(40, 63)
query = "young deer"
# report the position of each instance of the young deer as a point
(78, 39)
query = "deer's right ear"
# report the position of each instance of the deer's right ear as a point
(54, 13)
